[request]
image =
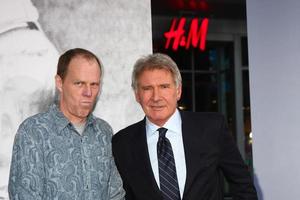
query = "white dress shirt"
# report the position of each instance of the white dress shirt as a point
(174, 134)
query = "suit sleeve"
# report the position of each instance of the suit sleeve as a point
(233, 167)
(26, 172)
(116, 147)
(129, 194)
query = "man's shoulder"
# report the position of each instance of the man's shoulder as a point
(102, 125)
(130, 130)
(100, 121)
(34, 125)
(39, 118)
(131, 127)
(201, 117)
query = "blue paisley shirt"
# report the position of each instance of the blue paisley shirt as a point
(51, 160)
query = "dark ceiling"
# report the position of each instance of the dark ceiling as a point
(217, 9)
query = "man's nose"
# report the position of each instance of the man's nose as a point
(87, 91)
(156, 94)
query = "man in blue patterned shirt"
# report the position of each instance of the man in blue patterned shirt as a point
(65, 153)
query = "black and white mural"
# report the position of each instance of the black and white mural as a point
(32, 35)
(27, 65)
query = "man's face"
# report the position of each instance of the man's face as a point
(79, 89)
(158, 95)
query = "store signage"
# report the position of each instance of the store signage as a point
(195, 36)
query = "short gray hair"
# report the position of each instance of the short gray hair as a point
(155, 61)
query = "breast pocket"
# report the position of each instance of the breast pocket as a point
(103, 167)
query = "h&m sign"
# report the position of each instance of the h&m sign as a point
(195, 36)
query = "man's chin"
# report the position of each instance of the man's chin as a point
(85, 112)
(157, 118)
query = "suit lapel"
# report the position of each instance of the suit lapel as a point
(142, 161)
(191, 148)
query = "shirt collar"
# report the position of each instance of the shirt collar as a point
(173, 124)
(62, 122)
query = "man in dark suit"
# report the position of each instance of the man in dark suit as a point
(188, 156)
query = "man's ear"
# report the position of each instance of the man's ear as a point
(178, 92)
(137, 98)
(58, 83)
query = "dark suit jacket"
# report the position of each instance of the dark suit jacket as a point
(209, 152)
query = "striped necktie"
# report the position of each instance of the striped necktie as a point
(167, 170)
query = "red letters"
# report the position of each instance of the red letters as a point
(196, 37)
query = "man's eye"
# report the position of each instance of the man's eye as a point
(165, 86)
(95, 85)
(78, 83)
(146, 88)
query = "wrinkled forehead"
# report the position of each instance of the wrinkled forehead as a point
(164, 70)
(155, 76)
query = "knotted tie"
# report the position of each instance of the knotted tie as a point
(167, 170)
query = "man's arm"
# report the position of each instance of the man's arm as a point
(116, 191)
(234, 169)
(115, 185)
(27, 167)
